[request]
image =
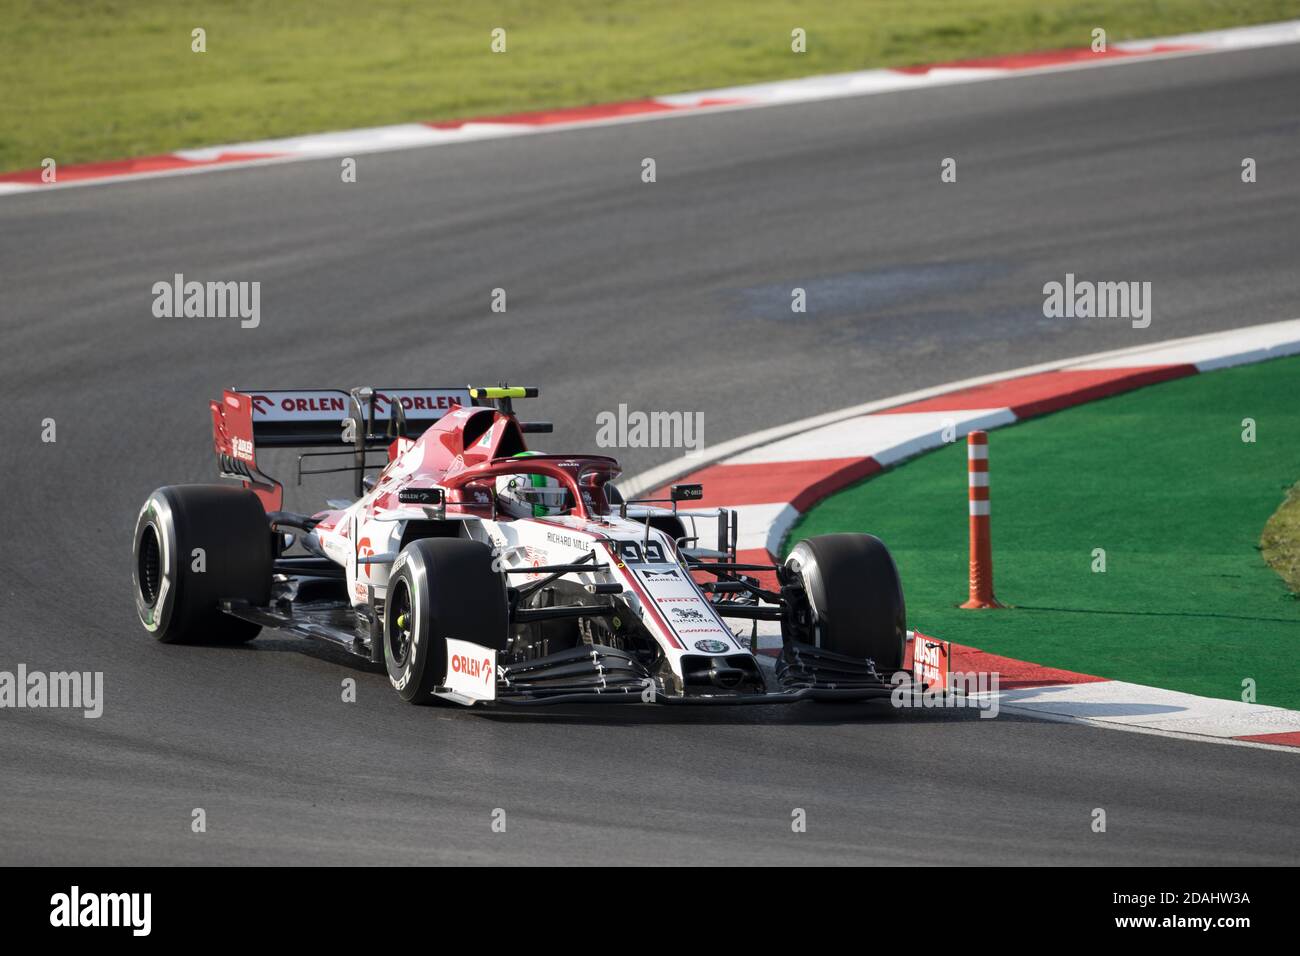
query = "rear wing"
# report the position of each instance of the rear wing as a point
(325, 417)
(360, 420)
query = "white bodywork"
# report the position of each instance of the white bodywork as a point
(657, 587)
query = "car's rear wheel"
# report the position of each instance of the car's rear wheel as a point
(855, 595)
(196, 545)
(440, 588)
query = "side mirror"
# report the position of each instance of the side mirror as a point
(430, 497)
(676, 493)
(687, 492)
(432, 500)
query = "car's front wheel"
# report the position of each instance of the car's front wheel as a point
(855, 596)
(440, 588)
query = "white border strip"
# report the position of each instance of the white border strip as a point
(1253, 343)
(800, 90)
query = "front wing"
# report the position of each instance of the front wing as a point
(797, 672)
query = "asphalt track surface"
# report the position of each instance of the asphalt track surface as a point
(672, 295)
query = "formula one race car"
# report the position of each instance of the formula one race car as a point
(476, 570)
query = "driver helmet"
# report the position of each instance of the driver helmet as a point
(530, 496)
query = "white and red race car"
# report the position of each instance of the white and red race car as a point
(475, 570)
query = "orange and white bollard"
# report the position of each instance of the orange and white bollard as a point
(981, 546)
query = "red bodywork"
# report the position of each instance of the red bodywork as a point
(232, 437)
(470, 447)
(464, 451)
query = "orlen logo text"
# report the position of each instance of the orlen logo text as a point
(327, 404)
(472, 666)
(297, 403)
(421, 402)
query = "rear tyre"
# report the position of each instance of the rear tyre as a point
(440, 588)
(856, 597)
(196, 545)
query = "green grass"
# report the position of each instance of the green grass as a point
(105, 79)
(1159, 478)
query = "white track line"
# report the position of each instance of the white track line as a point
(754, 96)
